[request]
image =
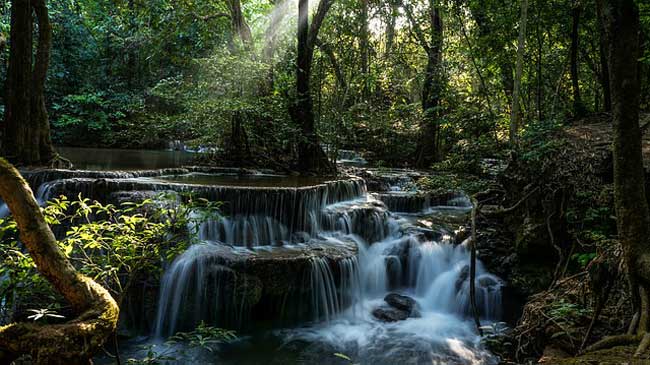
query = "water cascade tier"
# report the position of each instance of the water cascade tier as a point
(322, 265)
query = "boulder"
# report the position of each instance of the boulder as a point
(389, 314)
(398, 308)
(401, 302)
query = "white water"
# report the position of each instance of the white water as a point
(343, 293)
(342, 297)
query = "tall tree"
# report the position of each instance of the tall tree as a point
(604, 67)
(621, 22)
(428, 147)
(238, 22)
(578, 107)
(364, 47)
(26, 132)
(521, 44)
(70, 343)
(311, 157)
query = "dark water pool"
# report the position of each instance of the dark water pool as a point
(104, 159)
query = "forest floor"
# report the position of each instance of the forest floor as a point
(597, 131)
(613, 356)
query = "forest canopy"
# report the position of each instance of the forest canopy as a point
(139, 74)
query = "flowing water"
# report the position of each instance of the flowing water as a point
(339, 290)
(299, 267)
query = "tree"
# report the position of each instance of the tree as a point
(602, 56)
(364, 47)
(26, 134)
(578, 107)
(621, 23)
(76, 341)
(239, 25)
(432, 87)
(311, 157)
(521, 44)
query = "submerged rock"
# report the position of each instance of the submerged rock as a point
(401, 302)
(399, 307)
(389, 314)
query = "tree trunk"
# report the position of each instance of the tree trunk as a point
(239, 25)
(26, 138)
(71, 343)
(42, 63)
(540, 47)
(428, 147)
(364, 47)
(521, 43)
(390, 26)
(621, 20)
(604, 67)
(18, 93)
(578, 107)
(311, 157)
(338, 73)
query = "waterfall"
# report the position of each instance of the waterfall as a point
(197, 287)
(324, 297)
(440, 274)
(323, 256)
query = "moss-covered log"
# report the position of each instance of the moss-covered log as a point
(70, 343)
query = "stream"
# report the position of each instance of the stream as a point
(305, 269)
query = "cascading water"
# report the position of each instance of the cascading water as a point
(342, 291)
(324, 255)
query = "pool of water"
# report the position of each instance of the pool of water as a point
(259, 180)
(104, 159)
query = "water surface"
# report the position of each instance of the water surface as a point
(105, 159)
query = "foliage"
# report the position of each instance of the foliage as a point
(114, 246)
(444, 182)
(84, 118)
(203, 338)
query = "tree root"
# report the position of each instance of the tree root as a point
(59, 162)
(613, 341)
(70, 343)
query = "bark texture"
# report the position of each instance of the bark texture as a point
(621, 22)
(26, 135)
(578, 107)
(428, 142)
(76, 341)
(311, 157)
(521, 44)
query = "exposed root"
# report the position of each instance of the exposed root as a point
(613, 341)
(643, 346)
(76, 341)
(59, 162)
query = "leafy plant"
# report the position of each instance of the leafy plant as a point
(115, 246)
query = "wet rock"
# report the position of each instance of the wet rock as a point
(487, 282)
(390, 314)
(401, 302)
(399, 307)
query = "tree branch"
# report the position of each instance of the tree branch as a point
(316, 22)
(335, 65)
(417, 31)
